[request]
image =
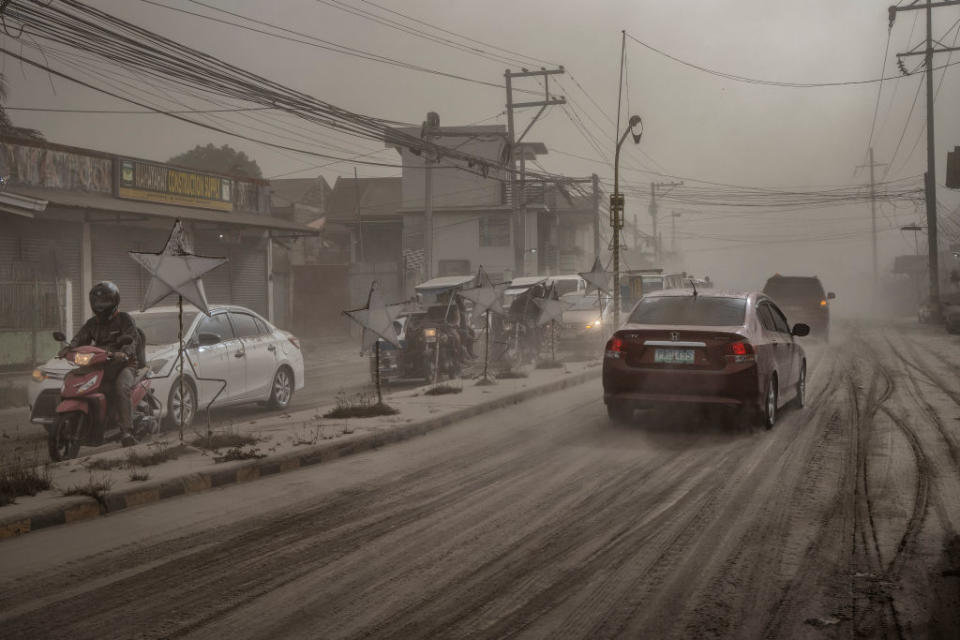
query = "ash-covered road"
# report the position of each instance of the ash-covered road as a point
(546, 521)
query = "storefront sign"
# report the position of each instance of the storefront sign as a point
(138, 180)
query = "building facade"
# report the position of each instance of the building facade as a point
(69, 217)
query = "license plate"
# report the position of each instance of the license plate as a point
(673, 356)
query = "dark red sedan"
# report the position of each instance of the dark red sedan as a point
(732, 350)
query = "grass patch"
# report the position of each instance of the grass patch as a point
(158, 455)
(22, 479)
(139, 476)
(237, 453)
(223, 440)
(549, 364)
(96, 489)
(362, 411)
(441, 389)
(510, 374)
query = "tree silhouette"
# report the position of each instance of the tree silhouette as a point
(6, 125)
(225, 160)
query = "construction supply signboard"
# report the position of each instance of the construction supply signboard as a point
(139, 180)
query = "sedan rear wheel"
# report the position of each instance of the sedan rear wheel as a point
(768, 411)
(801, 399)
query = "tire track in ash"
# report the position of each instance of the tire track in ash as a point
(506, 595)
(270, 546)
(911, 369)
(871, 606)
(664, 579)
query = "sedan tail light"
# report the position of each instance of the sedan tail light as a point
(741, 351)
(294, 341)
(614, 347)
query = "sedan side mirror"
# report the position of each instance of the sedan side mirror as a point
(208, 339)
(59, 337)
(800, 330)
(831, 296)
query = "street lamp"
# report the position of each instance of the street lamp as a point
(616, 212)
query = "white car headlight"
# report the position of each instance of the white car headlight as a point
(158, 364)
(38, 375)
(594, 325)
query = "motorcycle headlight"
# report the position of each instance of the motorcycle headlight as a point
(594, 325)
(82, 359)
(430, 333)
(38, 375)
(157, 365)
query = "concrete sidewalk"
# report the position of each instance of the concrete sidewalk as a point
(284, 443)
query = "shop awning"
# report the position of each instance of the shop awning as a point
(108, 204)
(20, 205)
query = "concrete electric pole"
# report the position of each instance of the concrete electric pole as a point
(930, 178)
(430, 126)
(517, 205)
(654, 186)
(873, 216)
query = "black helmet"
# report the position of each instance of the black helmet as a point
(104, 299)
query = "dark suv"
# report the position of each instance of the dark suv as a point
(802, 299)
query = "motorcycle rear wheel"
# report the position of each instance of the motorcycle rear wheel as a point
(64, 440)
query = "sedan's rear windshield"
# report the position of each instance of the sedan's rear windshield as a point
(788, 290)
(690, 310)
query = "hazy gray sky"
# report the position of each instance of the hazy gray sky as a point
(696, 125)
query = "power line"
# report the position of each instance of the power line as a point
(319, 43)
(771, 83)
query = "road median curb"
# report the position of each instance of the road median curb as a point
(83, 508)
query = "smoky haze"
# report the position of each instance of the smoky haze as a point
(696, 125)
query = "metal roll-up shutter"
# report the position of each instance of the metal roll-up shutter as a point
(59, 246)
(112, 262)
(43, 250)
(216, 283)
(248, 271)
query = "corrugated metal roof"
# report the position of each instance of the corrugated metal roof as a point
(102, 202)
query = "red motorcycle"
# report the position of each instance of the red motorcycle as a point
(83, 418)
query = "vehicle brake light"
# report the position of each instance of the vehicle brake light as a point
(614, 347)
(293, 340)
(741, 351)
(823, 303)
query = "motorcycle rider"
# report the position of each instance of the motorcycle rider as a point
(104, 330)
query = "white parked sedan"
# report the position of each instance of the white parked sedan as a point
(259, 363)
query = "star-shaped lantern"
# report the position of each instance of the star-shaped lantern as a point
(486, 297)
(375, 319)
(550, 309)
(176, 270)
(597, 278)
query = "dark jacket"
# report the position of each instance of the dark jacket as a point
(106, 334)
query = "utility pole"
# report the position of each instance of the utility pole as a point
(873, 217)
(930, 178)
(653, 212)
(595, 181)
(673, 231)
(517, 206)
(430, 125)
